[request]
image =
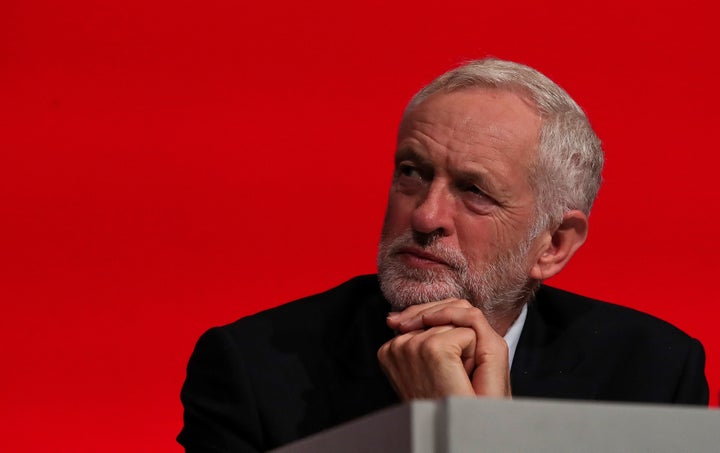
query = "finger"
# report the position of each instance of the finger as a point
(411, 317)
(430, 363)
(403, 363)
(445, 343)
(491, 381)
(491, 376)
(413, 310)
(423, 320)
(407, 344)
(489, 340)
(488, 363)
(437, 344)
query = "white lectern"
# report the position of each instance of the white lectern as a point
(459, 425)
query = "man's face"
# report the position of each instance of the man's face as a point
(461, 206)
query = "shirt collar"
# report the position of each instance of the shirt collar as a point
(512, 337)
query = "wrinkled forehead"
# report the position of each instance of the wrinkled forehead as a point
(520, 92)
(477, 115)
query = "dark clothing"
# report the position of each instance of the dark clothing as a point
(297, 369)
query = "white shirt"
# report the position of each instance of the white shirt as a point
(512, 337)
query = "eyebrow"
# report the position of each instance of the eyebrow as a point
(480, 177)
(484, 180)
(407, 153)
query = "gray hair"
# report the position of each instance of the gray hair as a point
(566, 174)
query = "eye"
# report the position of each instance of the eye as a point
(475, 190)
(477, 199)
(408, 178)
(408, 171)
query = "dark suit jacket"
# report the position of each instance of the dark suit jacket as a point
(297, 369)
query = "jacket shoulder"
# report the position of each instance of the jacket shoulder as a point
(574, 346)
(314, 314)
(565, 310)
(282, 374)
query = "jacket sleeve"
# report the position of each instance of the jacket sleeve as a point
(220, 411)
(693, 386)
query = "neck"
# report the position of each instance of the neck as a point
(501, 322)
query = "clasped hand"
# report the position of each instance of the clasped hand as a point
(445, 348)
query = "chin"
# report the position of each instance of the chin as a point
(403, 287)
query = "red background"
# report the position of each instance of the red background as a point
(169, 166)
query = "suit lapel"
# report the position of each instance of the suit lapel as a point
(548, 361)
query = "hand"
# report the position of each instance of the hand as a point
(445, 348)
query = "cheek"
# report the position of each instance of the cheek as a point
(507, 232)
(397, 216)
(475, 249)
(480, 241)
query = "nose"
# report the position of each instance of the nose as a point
(434, 214)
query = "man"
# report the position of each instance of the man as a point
(496, 170)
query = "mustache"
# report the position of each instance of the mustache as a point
(453, 257)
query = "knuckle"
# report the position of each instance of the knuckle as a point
(498, 347)
(413, 344)
(431, 347)
(383, 351)
(477, 319)
(401, 346)
(502, 346)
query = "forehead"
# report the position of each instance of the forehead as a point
(476, 116)
(492, 134)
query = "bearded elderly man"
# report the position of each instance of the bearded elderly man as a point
(496, 170)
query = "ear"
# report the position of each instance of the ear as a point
(558, 246)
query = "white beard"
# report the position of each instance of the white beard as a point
(498, 287)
